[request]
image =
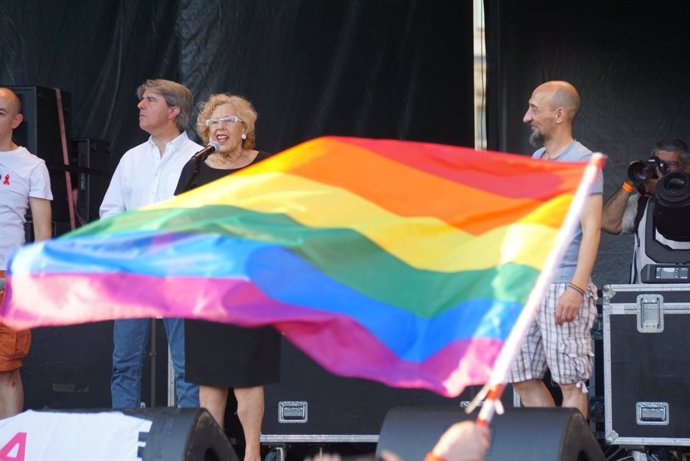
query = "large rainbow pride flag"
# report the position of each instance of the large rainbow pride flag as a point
(402, 262)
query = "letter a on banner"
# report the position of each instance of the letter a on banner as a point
(8, 452)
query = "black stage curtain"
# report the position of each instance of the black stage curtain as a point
(99, 51)
(373, 68)
(627, 58)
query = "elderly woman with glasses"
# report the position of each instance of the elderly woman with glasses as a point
(221, 356)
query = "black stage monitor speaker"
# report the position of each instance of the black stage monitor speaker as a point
(525, 434)
(184, 434)
(41, 134)
(153, 434)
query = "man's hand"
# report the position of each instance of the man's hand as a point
(464, 441)
(650, 185)
(568, 306)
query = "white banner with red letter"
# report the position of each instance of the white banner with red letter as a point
(39, 435)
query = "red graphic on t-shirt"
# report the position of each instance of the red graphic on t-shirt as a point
(6, 181)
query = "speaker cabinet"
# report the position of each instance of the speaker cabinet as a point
(184, 434)
(93, 175)
(40, 133)
(169, 434)
(538, 434)
(70, 367)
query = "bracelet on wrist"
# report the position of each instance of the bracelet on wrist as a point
(431, 456)
(628, 187)
(577, 288)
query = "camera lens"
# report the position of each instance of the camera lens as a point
(638, 172)
(676, 184)
(674, 190)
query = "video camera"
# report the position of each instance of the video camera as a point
(639, 172)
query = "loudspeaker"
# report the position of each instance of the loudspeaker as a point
(70, 367)
(185, 434)
(93, 177)
(40, 133)
(558, 434)
(169, 434)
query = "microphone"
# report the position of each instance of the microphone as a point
(211, 148)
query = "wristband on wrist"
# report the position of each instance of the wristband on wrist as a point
(431, 456)
(577, 288)
(627, 187)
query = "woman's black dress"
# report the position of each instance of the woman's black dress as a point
(219, 354)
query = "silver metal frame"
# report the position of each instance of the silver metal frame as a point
(612, 437)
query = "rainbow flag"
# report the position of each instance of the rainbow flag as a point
(402, 262)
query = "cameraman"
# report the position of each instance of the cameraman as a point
(624, 211)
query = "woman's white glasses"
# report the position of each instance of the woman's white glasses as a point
(229, 119)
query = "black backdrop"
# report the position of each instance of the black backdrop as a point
(374, 68)
(629, 59)
(380, 68)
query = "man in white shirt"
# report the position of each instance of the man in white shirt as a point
(24, 184)
(146, 174)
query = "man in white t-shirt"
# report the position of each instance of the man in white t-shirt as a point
(24, 185)
(146, 174)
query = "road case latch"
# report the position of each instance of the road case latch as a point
(652, 413)
(293, 412)
(650, 315)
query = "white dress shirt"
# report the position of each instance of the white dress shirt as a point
(144, 177)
